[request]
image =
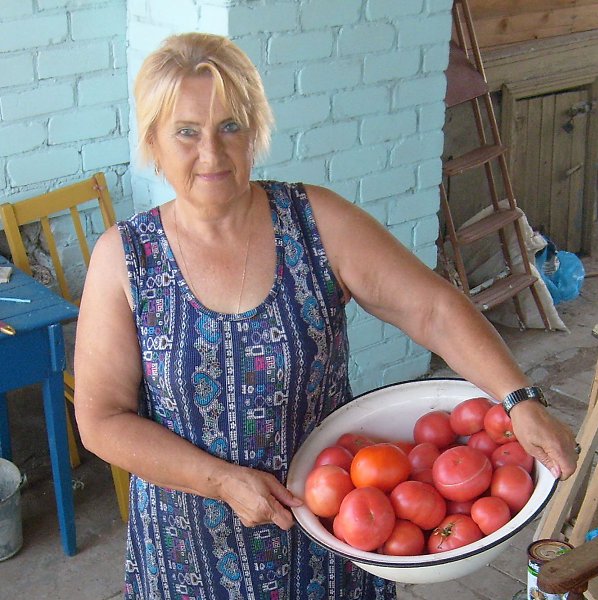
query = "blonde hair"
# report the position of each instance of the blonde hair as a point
(236, 81)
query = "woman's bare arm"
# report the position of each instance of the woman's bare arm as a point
(391, 283)
(108, 375)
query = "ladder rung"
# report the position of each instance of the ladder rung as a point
(502, 290)
(488, 225)
(463, 81)
(473, 158)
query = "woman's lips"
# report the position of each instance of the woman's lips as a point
(215, 176)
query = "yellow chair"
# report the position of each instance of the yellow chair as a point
(69, 199)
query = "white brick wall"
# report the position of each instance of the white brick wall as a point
(357, 89)
(63, 97)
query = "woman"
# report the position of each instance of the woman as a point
(212, 339)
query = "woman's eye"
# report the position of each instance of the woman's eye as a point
(231, 127)
(187, 132)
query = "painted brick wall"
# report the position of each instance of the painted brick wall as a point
(357, 88)
(64, 111)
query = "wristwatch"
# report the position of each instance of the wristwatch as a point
(526, 393)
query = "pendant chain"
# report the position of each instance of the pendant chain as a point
(178, 239)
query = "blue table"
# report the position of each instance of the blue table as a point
(35, 354)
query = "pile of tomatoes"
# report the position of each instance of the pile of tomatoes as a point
(462, 477)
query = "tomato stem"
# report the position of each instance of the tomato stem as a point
(445, 532)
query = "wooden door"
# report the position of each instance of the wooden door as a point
(550, 140)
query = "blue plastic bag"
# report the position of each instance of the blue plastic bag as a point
(561, 271)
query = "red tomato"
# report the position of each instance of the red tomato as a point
(419, 503)
(490, 513)
(337, 529)
(497, 424)
(380, 465)
(366, 518)
(335, 455)
(453, 532)
(512, 453)
(468, 416)
(406, 539)
(434, 427)
(423, 456)
(425, 475)
(483, 442)
(462, 473)
(325, 488)
(353, 442)
(514, 485)
(459, 508)
(404, 445)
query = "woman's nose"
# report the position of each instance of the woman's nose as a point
(209, 145)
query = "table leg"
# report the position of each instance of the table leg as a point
(55, 412)
(5, 446)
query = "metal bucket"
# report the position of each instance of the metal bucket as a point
(11, 527)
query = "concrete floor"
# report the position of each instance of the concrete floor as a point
(563, 363)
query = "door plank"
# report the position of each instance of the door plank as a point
(545, 161)
(559, 201)
(519, 160)
(533, 202)
(576, 178)
(590, 198)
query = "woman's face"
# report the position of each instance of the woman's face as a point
(202, 151)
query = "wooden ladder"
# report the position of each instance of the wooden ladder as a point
(574, 507)
(466, 82)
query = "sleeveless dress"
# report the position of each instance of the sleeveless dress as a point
(247, 388)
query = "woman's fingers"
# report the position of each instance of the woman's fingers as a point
(259, 498)
(545, 438)
(283, 495)
(281, 516)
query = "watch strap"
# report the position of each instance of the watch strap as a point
(526, 393)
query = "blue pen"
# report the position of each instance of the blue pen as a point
(15, 299)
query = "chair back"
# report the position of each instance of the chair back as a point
(72, 198)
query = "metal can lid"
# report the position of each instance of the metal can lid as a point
(542, 551)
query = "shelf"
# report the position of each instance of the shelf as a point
(488, 225)
(463, 81)
(502, 290)
(472, 159)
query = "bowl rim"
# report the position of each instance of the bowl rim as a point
(442, 558)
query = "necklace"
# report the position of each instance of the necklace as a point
(178, 240)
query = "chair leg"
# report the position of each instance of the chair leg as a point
(121, 486)
(73, 450)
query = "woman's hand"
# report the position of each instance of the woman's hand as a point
(545, 438)
(257, 497)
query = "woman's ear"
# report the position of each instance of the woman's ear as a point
(151, 147)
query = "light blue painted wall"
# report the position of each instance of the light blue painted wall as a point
(357, 88)
(64, 110)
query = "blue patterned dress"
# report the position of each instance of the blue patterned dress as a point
(247, 388)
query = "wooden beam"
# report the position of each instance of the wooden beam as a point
(483, 9)
(509, 28)
(566, 58)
